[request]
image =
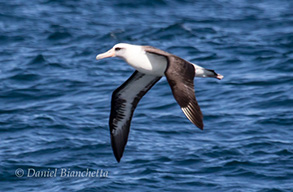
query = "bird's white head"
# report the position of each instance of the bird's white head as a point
(119, 50)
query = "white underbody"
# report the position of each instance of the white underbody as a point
(146, 63)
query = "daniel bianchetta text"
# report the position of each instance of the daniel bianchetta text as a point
(66, 172)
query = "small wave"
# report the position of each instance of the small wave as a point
(25, 77)
(38, 59)
(172, 31)
(57, 65)
(59, 36)
(142, 3)
(11, 38)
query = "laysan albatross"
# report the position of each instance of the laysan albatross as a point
(151, 64)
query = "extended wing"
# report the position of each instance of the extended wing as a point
(124, 101)
(180, 76)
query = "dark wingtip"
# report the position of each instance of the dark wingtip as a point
(118, 158)
(118, 152)
(200, 126)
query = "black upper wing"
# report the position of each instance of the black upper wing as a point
(124, 101)
(180, 76)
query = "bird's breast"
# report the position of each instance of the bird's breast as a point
(148, 63)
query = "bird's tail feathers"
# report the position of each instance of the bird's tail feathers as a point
(202, 72)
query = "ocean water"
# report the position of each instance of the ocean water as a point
(55, 97)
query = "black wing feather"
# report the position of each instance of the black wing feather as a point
(180, 76)
(124, 101)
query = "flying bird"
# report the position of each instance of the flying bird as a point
(151, 65)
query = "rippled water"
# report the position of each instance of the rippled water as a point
(55, 97)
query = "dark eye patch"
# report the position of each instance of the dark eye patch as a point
(117, 48)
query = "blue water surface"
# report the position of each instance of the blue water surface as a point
(55, 97)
